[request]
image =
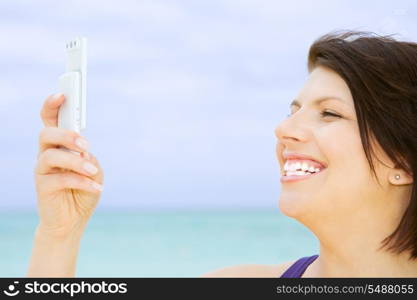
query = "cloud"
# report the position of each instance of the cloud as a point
(79, 10)
(163, 85)
(10, 94)
(30, 43)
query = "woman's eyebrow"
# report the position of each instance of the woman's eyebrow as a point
(318, 101)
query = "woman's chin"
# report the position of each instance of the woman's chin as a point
(293, 206)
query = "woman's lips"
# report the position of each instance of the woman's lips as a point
(292, 178)
(302, 157)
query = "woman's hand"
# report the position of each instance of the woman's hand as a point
(67, 193)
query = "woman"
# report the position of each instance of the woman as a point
(347, 153)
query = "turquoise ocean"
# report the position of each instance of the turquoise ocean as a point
(135, 243)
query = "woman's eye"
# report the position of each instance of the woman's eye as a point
(326, 113)
(323, 114)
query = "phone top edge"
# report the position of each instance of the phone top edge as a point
(76, 44)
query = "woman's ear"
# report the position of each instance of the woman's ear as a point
(399, 177)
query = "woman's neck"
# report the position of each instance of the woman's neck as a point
(350, 243)
(363, 263)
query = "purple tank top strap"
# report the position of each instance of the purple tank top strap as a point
(297, 269)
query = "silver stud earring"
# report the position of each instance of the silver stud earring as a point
(397, 177)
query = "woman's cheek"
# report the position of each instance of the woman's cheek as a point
(342, 149)
(341, 146)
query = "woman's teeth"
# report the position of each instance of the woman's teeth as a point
(299, 168)
(291, 173)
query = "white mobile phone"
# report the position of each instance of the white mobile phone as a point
(73, 84)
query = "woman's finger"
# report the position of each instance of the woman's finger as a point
(69, 180)
(54, 137)
(49, 111)
(54, 158)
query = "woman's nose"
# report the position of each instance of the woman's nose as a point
(292, 129)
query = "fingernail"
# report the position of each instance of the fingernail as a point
(90, 168)
(82, 143)
(56, 96)
(97, 186)
(86, 155)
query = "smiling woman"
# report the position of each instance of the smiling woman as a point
(355, 117)
(347, 155)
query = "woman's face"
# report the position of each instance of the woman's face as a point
(345, 186)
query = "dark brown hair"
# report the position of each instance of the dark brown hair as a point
(381, 73)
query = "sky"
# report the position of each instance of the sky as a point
(183, 97)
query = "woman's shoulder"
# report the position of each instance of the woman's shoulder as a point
(251, 270)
